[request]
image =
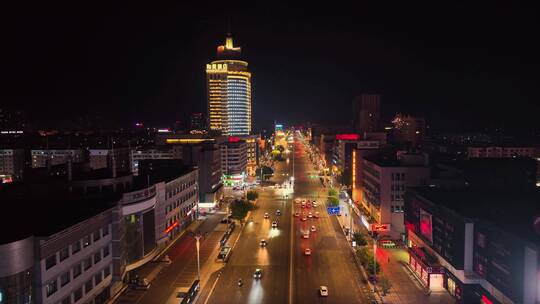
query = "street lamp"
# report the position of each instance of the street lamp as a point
(197, 238)
(375, 263)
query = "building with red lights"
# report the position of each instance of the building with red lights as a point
(481, 245)
(78, 239)
(385, 178)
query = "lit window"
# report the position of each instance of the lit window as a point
(51, 287)
(86, 241)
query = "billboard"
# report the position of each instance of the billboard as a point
(426, 225)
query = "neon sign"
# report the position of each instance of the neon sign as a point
(351, 136)
(380, 227)
(234, 139)
(171, 227)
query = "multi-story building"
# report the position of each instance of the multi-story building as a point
(385, 178)
(233, 160)
(106, 158)
(357, 160)
(50, 157)
(154, 152)
(342, 159)
(481, 245)
(59, 252)
(11, 165)
(366, 111)
(252, 142)
(80, 242)
(207, 158)
(229, 92)
(486, 151)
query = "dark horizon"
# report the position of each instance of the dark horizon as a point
(476, 64)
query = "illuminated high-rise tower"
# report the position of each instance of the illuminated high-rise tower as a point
(229, 91)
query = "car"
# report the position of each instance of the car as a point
(263, 243)
(304, 219)
(307, 251)
(278, 212)
(266, 215)
(305, 235)
(316, 215)
(274, 224)
(313, 229)
(296, 214)
(323, 291)
(257, 274)
(310, 215)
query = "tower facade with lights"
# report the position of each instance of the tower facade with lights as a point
(229, 91)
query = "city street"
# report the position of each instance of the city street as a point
(289, 276)
(183, 269)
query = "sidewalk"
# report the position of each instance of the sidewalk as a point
(405, 287)
(167, 279)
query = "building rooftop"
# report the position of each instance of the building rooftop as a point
(45, 209)
(391, 160)
(161, 170)
(514, 211)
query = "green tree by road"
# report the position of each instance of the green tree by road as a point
(240, 208)
(252, 195)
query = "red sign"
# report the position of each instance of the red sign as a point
(171, 227)
(234, 139)
(485, 300)
(380, 227)
(347, 136)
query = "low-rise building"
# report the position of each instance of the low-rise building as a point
(106, 158)
(51, 157)
(501, 151)
(11, 165)
(153, 153)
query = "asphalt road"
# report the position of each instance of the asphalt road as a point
(330, 263)
(285, 268)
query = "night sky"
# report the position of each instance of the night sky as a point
(458, 65)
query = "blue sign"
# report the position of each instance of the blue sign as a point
(333, 210)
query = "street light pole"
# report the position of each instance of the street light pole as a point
(374, 263)
(198, 237)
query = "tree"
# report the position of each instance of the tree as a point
(370, 265)
(366, 259)
(333, 201)
(240, 208)
(359, 239)
(332, 192)
(363, 256)
(385, 284)
(252, 195)
(266, 172)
